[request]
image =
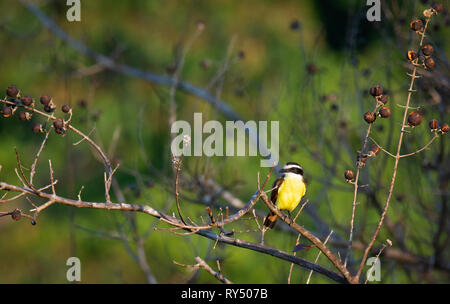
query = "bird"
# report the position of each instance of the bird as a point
(287, 191)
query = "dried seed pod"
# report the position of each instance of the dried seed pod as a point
(37, 128)
(374, 150)
(16, 215)
(414, 119)
(12, 91)
(411, 55)
(6, 111)
(384, 112)
(45, 99)
(428, 12)
(369, 117)
(27, 100)
(383, 98)
(437, 7)
(361, 159)
(416, 25)
(376, 91)
(427, 50)
(60, 131)
(48, 108)
(433, 124)
(429, 63)
(24, 116)
(444, 128)
(66, 108)
(58, 123)
(349, 175)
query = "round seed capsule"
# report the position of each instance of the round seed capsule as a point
(444, 128)
(374, 150)
(411, 55)
(16, 215)
(60, 131)
(369, 117)
(361, 159)
(384, 99)
(58, 123)
(414, 119)
(429, 63)
(376, 91)
(6, 111)
(437, 7)
(24, 115)
(66, 108)
(349, 175)
(27, 100)
(433, 124)
(48, 108)
(12, 91)
(416, 25)
(427, 50)
(428, 12)
(37, 128)
(384, 112)
(45, 99)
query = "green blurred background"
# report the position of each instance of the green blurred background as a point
(312, 76)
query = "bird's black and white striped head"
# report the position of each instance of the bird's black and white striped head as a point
(292, 168)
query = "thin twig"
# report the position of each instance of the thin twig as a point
(36, 158)
(318, 255)
(420, 150)
(202, 264)
(382, 149)
(295, 253)
(356, 188)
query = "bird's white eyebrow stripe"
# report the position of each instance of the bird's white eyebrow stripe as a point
(292, 166)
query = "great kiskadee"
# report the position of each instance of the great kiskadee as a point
(287, 191)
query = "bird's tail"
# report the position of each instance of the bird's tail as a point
(270, 220)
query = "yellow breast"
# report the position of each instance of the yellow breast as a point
(290, 193)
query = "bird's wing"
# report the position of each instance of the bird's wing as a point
(275, 187)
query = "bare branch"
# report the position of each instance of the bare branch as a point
(336, 262)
